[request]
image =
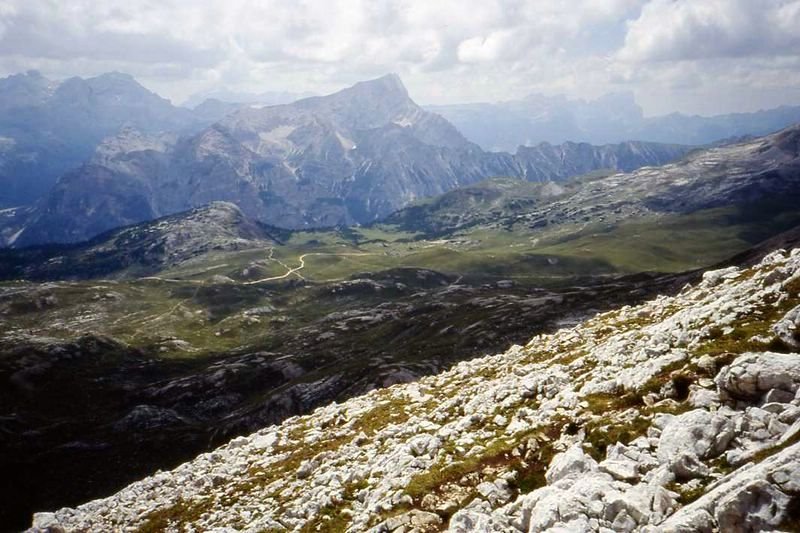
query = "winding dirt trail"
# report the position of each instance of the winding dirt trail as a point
(302, 259)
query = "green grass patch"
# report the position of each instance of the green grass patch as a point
(181, 513)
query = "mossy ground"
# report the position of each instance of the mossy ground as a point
(527, 456)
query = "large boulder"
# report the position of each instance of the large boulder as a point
(753, 375)
(570, 464)
(698, 434)
(757, 507)
(788, 328)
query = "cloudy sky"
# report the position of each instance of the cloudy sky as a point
(695, 56)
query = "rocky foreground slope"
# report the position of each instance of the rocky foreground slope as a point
(682, 414)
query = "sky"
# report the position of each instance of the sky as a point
(693, 56)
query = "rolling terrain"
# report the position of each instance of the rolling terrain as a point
(680, 414)
(173, 336)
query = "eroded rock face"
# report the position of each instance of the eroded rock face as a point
(534, 439)
(788, 328)
(759, 506)
(698, 433)
(754, 375)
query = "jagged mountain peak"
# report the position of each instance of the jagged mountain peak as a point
(108, 87)
(387, 85)
(25, 89)
(29, 76)
(353, 156)
(365, 105)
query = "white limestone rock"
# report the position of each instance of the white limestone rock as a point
(703, 398)
(743, 498)
(713, 278)
(758, 506)
(570, 464)
(788, 328)
(698, 433)
(623, 470)
(752, 375)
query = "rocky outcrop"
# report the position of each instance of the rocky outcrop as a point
(788, 328)
(597, 427)
(142, 249)
(753, 376)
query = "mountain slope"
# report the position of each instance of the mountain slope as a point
(140, 250)
(559, 162)
(620, 422)
(482, 203)
(763, 171)
(350, 157)
(712, 204)
(49, 128)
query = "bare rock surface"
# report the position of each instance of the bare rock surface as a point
(755, 375)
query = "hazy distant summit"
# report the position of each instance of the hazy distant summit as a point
(48, 128)
(238, 97)
(612, 118)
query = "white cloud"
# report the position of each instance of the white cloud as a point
(497, 46)
(712, 56)
(676, 30)
(445, 50)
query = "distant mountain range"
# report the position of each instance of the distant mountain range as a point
(760, 176)
(49, 128)
(238, 97)
(351, 157)
(84, 156)
(743, 192)
(612, 118)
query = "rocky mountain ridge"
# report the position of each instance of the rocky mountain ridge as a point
(351, 157)
(752, 185)
(763, 170)
(679, 414)
(142, 249)
(48, 128)
(237, 97)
